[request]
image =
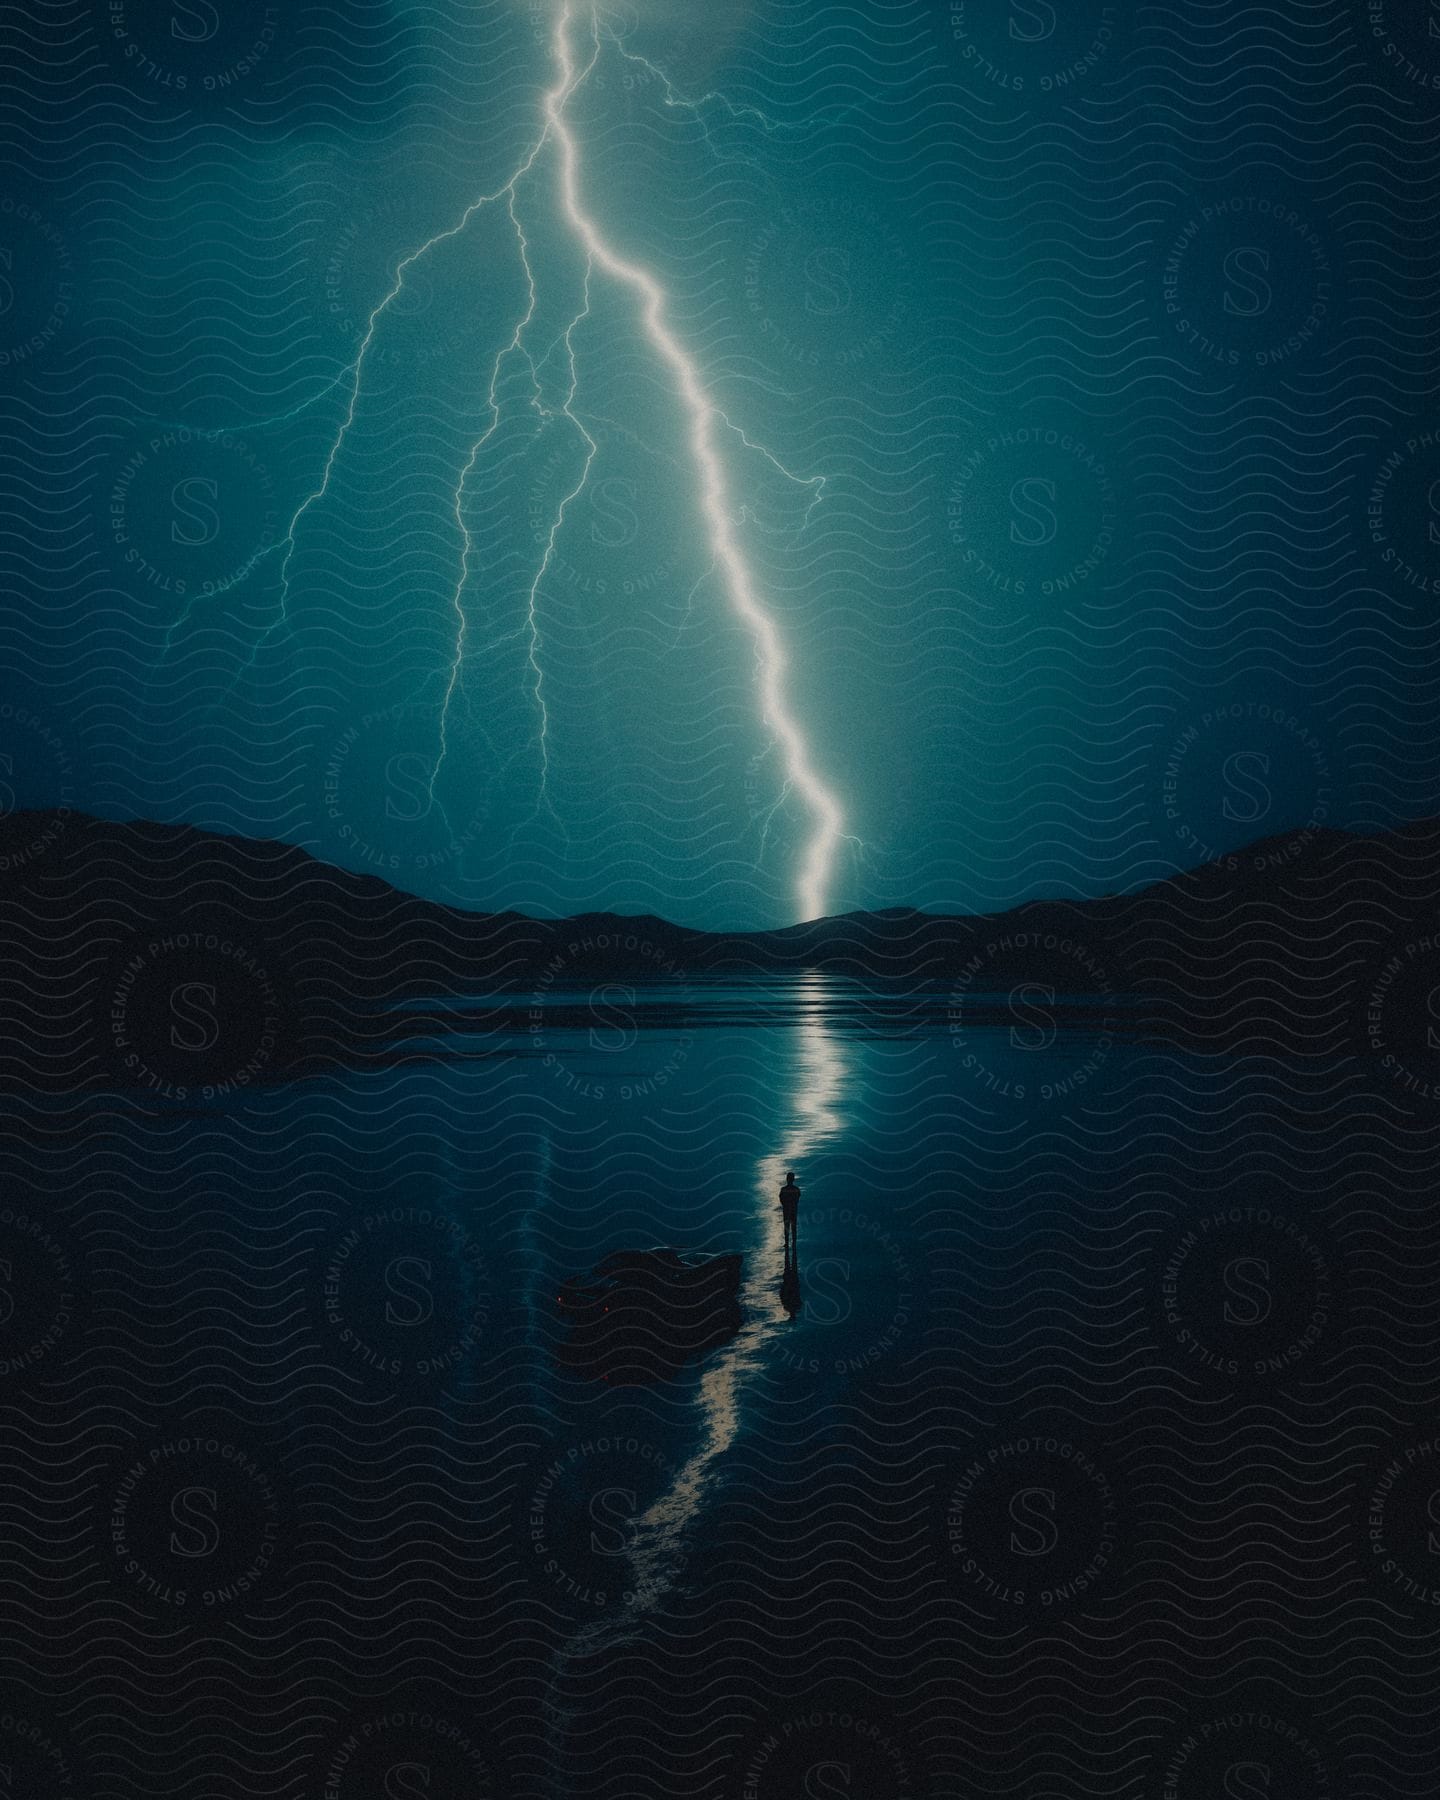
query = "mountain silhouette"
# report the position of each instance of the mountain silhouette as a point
(130, 944)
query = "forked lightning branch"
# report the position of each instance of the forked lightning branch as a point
(556, 146)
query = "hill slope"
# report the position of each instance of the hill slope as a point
(127, 944)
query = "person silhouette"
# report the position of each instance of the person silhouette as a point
(790, 1210)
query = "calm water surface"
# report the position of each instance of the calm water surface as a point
(362, 1272)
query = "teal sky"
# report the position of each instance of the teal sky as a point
(1096, 343)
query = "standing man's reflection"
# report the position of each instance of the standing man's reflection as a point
(790, 1215)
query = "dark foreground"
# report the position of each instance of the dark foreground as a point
(1087, 1443)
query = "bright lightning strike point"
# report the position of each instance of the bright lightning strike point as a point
(813, 880)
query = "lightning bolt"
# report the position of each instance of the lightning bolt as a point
(683, 102)
(356, 371)
(467, 543)
(705, 421)
(532, 617)
(532, 603)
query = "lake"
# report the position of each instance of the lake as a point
(1071, 1387)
